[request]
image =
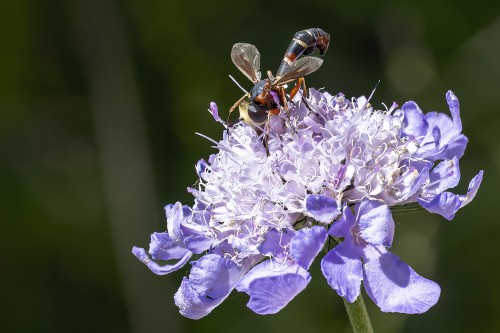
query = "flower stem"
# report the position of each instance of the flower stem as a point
(360, 321)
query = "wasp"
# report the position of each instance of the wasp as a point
(265, 94)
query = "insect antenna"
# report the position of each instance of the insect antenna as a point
(236, 82)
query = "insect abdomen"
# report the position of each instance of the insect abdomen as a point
(303, 43)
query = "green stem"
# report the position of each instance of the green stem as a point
(360, 321)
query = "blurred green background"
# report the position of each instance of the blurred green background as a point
(99, 102)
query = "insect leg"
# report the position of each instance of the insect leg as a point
(235, 105)
(295, 90)
(267, 128)
(282, 95)
(304, 88)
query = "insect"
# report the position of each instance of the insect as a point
(266, 93)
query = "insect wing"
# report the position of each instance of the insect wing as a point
(299, 68)
(247, 58)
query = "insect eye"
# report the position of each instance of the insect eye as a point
(257, 114)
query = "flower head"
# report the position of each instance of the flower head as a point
(269, 201)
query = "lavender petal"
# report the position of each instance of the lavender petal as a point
(162, 247)
(414, 123)
(210, 281)
(375, 222)
(141, 254)
(306, 244)
(322, 207)
(342, 227)
(275, 243)
(271, 286)
(342, 270)
(394, 286)
(445, 204)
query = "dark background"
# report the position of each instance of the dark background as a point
(99, 102)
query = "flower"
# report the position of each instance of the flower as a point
(391, 284)
(269, 200)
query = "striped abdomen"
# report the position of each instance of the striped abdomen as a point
(303, 43)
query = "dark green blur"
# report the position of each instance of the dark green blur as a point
(99, 103)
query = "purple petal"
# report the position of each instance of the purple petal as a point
(419, 164)
(270, 295)
(188, 302)
(271, 286)
(394, 286)
(322, 207)
(305, 147)
(141, 254)
(443, 122)
(198, 243)
(201, 166)
(223, 249)
(342, 227)
(342, 270)
(422, 177)
(275, 243)
(161, 247)
(473, 188)
(445, 204)
(275, 98)
(214, 110)
(210, 281)
(375, 222)
(312, 124)
(444, 176)
(194, 222)
(306, 244)
(454, 148)
(451, 143)
(414, 123)
(265, 269)
(214, 276)
(175, 216)
(436, 134)
(454, 106)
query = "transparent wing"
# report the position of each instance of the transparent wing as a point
(247, 58)
(299, 68)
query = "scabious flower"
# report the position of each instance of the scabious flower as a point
(327, 173)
